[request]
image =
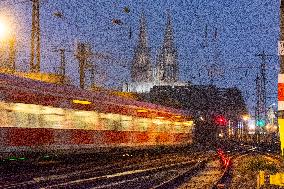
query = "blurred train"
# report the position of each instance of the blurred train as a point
(38, 117)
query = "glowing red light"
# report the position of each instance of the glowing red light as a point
(220, 120)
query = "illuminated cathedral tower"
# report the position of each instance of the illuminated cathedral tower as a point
(144, 76)
(141, 68)
(167, 67)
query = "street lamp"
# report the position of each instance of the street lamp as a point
(8, 41)
(246, 117)
(4, 31)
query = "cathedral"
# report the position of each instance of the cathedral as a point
(144, 74)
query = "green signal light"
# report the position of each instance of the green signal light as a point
(46, 157)
(260, 123)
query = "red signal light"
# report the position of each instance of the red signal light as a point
(221, 120)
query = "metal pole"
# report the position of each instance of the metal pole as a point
(262, 88)
(81, 56)
(257, 108)
(37, 67)
(82, 65)
(32, 37)
(62, 65)
(12, 55)
(35, 37)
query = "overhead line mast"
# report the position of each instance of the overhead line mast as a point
(35, 37)
(263, 79)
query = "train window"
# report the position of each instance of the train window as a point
(5, 120)
(110, 121)
(116, 125)
(21, 119)
(155, 125)
(167, 126)
(11, 121)
(25, 120)
(26, 108)
(110, 124)
(4, 106)
(162, 128)
(33, 121)
(189, 130)
(86, 120)
(68, 120)
(126, 123)
(51, 117)
(92, 120)
(188, 123)
(25, 115)
(79, 119)
(54, 121)
(143, 124)
(52, 110)
(159, 125)
(177, 127)
(103, 122)
(187, 126)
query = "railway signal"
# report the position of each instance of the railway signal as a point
(260, 123)
(220, 120)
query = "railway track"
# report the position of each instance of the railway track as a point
(225, 179)
(156, 177)
(154, 172)
(216, 174)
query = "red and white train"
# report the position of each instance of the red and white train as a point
(39, 117)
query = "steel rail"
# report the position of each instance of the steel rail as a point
(97, 173)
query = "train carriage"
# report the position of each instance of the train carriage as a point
(39, 117)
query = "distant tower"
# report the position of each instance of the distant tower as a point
(167, 65)
(141, 68)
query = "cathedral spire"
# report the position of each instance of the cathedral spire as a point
(141, 70)
(168, 38)
(167, 66)
(143, 32)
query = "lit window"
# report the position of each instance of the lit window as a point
(126, 123)
(143, 124)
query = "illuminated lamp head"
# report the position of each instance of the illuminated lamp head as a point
(5, 30)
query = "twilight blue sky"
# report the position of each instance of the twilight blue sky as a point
(244, 28)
